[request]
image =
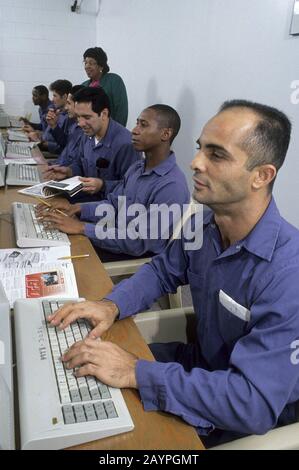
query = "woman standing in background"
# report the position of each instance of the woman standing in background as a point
(97, 70)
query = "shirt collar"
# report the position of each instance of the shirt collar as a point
(261, 241)
(110, 134)
(163, 168)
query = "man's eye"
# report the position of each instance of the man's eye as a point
(217, 156)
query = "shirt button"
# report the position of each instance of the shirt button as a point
(238, 247)
(213, 225)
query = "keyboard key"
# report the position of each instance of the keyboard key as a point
(100, 410)
(68, 414)
(79, 413)
(110, 409)
(90, 412)
(75, 395)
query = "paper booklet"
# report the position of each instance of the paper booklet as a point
(37, 272)
(70, 186)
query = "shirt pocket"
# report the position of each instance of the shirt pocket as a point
(231, 327)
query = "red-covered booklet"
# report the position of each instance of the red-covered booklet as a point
(44, 284)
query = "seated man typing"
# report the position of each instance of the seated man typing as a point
(240, 377)
(73, 134)
(152, 182)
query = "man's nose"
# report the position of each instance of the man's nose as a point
(198, 162)
(81, 121)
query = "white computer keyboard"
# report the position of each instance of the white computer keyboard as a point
(22, 175)
(58, 410)
(32, 232)
(17, 150)
(17, 135)
(2, 146)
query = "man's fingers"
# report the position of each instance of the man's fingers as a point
(77, 357)
(57, 317)
(97, 332)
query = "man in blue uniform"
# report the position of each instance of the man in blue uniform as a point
(40, 98)
(240, 376)
(74, 132)
(54, 137)
(106, 151)
(155, 182)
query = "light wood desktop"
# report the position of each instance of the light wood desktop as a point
(153, 430)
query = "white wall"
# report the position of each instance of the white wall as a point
(41, 41)
(195, 54)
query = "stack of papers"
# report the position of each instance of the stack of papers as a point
(37, 272)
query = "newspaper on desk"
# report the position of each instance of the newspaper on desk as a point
(37, 272)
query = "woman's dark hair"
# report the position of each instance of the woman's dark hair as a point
(99, 56)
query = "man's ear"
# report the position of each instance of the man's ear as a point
(264, 174)
(105, 113)
(166, 134)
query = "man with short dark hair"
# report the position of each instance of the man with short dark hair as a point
(106, 151)
(73, 134)
(40, 97)
(239, 377)
(154, 182)
(55, 136)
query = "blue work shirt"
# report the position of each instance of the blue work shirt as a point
(53, 145)
(61, 133)
(163, 184)
(114, 154)
(72, 148)
(42, 125)
(239, 376)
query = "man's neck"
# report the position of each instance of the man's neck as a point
(237, 221)
(44, 104)
(155, 157)
(101, 134)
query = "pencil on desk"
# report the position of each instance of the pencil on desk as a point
(49, 205)
(75, 256)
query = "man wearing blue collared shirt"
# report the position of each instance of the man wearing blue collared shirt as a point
(54, 137)
(154, 182)
(40, 98)
(106, 150)
(73, 135)
(241, 376)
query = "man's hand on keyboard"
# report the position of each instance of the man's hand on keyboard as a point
(34, 136)
(106, 361)
(57, 173)
(92, 185)
(64, 223)
(101, 315)
(60, 203)
(27, 128)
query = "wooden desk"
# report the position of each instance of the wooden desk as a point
(153, 430)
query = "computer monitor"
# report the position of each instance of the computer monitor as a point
(7, 439)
